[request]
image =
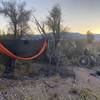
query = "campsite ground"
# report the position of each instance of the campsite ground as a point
(83, 86)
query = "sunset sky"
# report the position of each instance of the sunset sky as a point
(79, 15)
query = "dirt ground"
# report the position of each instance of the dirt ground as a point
(83, 87)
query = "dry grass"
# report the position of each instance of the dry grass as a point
(53, 88)
(82, 87)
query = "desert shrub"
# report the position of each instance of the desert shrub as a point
(70, 50)
(3, 59)
(2, 68)
(24, 68)
(87, 94)
(9, 36)
(61, 60)
(84, 93)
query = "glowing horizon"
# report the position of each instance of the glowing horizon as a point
(34, 30)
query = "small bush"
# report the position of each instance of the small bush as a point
(87, 94)
(27, 69)
(2, 68)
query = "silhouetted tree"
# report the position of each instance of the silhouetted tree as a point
(90, 37)
(54, 23)
(17, 14)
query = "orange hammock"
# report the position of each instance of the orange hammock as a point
(5, 51)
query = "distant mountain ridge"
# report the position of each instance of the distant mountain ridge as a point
(76, 36)
(73, 36)
(97, 37)
(67, 36)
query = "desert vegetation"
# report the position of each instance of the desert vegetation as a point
(68, 69)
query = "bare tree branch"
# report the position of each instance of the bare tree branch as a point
(40, 28)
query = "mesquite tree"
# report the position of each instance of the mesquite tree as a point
(54, 23)
(90, 37)
(17, 14)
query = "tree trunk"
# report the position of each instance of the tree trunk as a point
(15, 30)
